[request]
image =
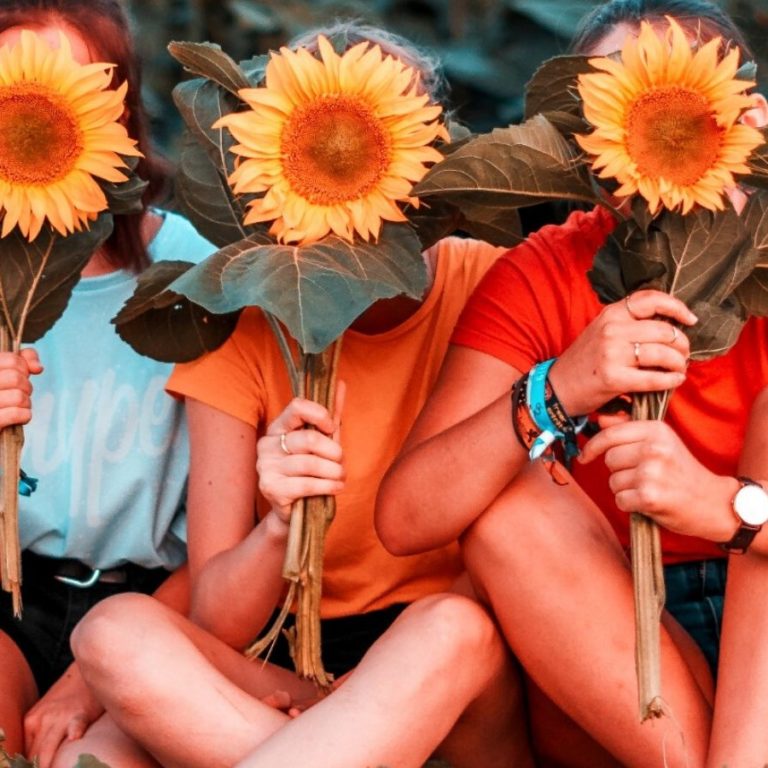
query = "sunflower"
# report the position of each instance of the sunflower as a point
(334, 142)
(58, 133)
(666, 120)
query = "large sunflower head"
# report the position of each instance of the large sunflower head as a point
(666, 119)
(58, 134)
(334, 142)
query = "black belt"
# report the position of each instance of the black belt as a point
(75, 573)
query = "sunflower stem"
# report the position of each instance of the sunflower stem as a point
(303, 564)
(648, 582)
(11, 441)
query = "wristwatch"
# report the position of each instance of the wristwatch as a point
(750, 504)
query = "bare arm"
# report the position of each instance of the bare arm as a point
(234, 563)
(228, 555)
(462, 450)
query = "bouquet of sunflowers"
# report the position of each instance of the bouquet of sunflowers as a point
(64, 169)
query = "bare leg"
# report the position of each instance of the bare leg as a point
(107, 742)
(739, 733)
(408, 692)
(170, 686)
(560, 587)
(18, 693)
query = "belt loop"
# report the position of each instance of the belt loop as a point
(80, 584)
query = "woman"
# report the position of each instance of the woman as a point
(107, 445)
(391, 632)
(553, 556)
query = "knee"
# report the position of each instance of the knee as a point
(458, 629)
(112, 634)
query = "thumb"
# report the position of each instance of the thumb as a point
(30, 357)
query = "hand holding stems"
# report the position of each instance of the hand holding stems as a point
(629, 347)
(16, 387)
(294, 462)
(654, 473)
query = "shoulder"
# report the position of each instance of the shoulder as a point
(178, 239)
(460, 261)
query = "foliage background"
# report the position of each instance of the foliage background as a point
(489, 48)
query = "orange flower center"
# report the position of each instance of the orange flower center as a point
(672, 133)
(40, 139)
(334, 150)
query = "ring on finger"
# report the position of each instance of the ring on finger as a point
(636, 351)
(283, 445)
(674, 335)
(629, 308)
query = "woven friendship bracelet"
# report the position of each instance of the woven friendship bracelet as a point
(550, 416)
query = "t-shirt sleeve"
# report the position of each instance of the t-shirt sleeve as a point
(226, 379)
(521, 311)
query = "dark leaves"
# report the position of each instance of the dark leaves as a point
(703, 258)
(38, 277)
(126, 196)
(506, 169)
(205, 196)
(208, 60)
(553, 87)
(166, 326)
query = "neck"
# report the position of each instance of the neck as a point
(99, 265)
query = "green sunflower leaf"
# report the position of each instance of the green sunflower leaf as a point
(509, 168)
(717, 330)
(205, 197)
(37, 278)
(209, 61)
(705, 259)
(89, 761)
(166, 326)
(552, 88)
(316, 291)
(126, 196)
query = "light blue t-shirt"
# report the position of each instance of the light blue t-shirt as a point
(107, 444)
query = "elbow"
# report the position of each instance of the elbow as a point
(393, 526)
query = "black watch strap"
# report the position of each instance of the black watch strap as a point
(741, 540)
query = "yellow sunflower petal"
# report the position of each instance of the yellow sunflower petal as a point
(335, 142)
(665, 120)
(58, 132)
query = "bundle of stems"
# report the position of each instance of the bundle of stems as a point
(310, 518)
(11, 442)
(648, 581)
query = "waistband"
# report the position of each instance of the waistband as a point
(79, 575)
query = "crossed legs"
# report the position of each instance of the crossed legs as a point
(193, 701)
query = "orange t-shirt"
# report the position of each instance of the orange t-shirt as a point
(537, 299)
(388, 376)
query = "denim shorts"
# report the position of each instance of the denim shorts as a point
(51, 609)
(695, 594)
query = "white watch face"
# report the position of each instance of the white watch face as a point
(751, 505)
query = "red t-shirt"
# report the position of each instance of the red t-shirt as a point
(536, 300)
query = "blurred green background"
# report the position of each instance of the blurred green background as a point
(489, 48)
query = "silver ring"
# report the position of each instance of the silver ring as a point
(629, 308)
(283, 446)
(674, 335)
(636, 349)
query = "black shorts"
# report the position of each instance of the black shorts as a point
(51, 609)
(345, 640)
